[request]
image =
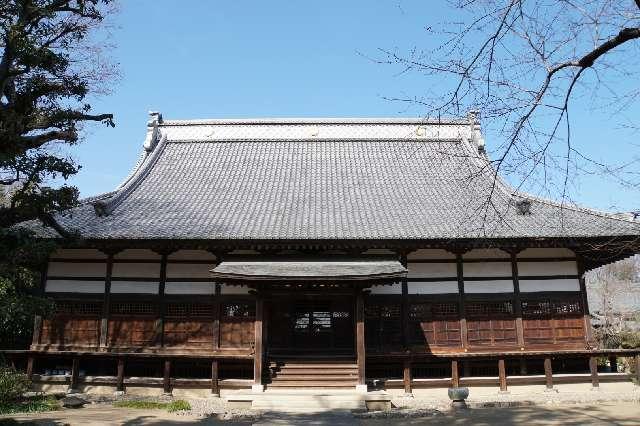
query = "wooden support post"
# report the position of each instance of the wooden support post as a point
(217, 311)
(523, 366)
(593, 368)
(120, 376)
(166, 377)
(406, 375)
(75, 366)
(30, 361)
(455, 374)
(215, 381)
(516, 300)
(461, 301)
(106, 302)
(162, 305)
(259, 350)
(360, 344)
(37, 322)
(585, 305)
(404, 308)
(638, 369)
(548, 373)
(502, 374)
(613, 362)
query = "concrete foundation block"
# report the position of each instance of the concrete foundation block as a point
(362, 388)
(257, 388)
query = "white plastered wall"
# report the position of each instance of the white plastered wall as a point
(189, 288)
(530, 270)
(387, 289)
(233, 289)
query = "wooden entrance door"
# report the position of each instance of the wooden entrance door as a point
(312, 324)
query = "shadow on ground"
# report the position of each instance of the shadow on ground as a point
(612, 414)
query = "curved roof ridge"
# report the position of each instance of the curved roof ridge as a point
(132, 182)
(317, 121)
(575, 207)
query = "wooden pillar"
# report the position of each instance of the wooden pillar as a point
(360, 344)
(217, 311)
(166, 376)
(461, 301)
(120, 375)
(162, 305)
(455, 374)
(638, 369)
(30, 361)
(215, 381)
(404, 308)
(259, 350)
(548, 373)
(593, 368)
(37, 321)
(406, 375)
(106, 302)
(517, 300)
(502, 374)
(75, 366)
(585, 304)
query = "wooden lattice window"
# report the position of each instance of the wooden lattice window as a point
(133, 308)
(189, 310)
(78, 308)
(490, 323)
(239, 310)
(489, 309)
(434, 324)
(553, 322)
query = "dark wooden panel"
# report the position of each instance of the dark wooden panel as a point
(491, 323)
(237, 324)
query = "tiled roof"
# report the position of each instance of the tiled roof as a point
(322, 179)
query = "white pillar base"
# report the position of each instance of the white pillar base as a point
(118, 393)
(257, 388)
(362, 388)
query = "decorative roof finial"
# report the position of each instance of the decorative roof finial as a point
(153, 134)
(476, 134)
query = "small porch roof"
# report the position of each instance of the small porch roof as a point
(309, 270)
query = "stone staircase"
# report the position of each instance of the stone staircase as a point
(307, 400)
(333, 373)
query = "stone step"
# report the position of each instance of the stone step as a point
(314, 377)
(308, 365)
(313, 384)
(315, 371)
(306, 403)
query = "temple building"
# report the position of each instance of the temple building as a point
(342, 253)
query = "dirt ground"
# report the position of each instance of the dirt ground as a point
(601, 414)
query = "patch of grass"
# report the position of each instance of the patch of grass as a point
(171, 407)
(178, 405)
(34, 404)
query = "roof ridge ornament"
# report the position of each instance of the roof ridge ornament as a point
(153, 133)
(473, 116)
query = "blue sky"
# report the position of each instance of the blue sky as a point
(208, 59)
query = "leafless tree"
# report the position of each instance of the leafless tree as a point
(525, 64)
(614, 292)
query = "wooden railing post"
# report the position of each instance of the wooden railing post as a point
(517, 300)
(548, 373)
(30, 361)
(120, 375)
(638, 369)
(360, 344)
(259, 350)
(406, 376)
(455, 374)
(106, 304)
(75, 366)
(166, 377)
(593, 368)
(461, 301)
(215, 383)
(502, 374)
